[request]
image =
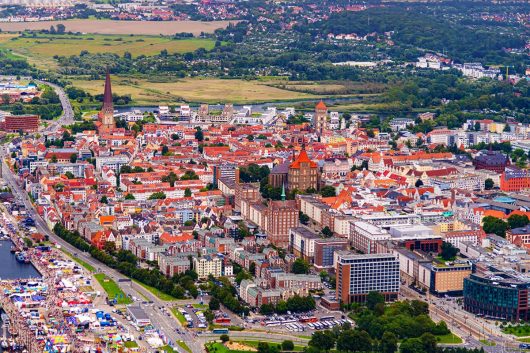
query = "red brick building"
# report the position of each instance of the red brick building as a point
(24, 123)
(514, 179)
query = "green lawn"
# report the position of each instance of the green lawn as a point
(178, 315)
(450, 338)
(156, 292)
(519, 330)
(112, 289)
(217, 347)
(200, 306)
(167, 349)
(488, 343)
(297, 348)
(131, 344)
(86, 265)
(184, 346)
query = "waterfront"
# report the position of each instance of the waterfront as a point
(10, 268)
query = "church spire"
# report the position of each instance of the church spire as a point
(283, 192)
(106, 115)
(107, 95)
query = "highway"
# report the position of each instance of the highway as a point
(67, 118)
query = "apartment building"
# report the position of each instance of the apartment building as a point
(208, 265)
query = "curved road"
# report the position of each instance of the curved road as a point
(67, 118)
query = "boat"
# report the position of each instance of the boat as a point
(20, 257)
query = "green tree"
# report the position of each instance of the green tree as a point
(328, 191)
(328, 233)
(224, 338)
(199, 135)
(418, 183)
(171, 178)
(266, 309)
(187, 192)
(323, 340)
(287, 345)
(54, 159)
(129, 197)
(157, 196)
(389, 343)
(104, 200)
(69, 175)
(517, 221)
(354, 341)
(304, 219)
(165, 150)
(488, 184)
(300, 266)
(214, 304)
(73, 158)
(449, 252)
(494, 225)
(373, 298)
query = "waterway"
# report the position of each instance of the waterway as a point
(10, 268)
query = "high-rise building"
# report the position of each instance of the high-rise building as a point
(320, 118)
(303, 173)
(358, 275)
(279, 218)
(17, 123)
(106, 115)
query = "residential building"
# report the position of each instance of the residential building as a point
(208, 265)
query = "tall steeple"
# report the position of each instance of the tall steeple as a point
(106, 115)
(283, 192)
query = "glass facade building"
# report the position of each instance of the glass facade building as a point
(498, 296)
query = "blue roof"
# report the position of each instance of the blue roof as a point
(504, 199)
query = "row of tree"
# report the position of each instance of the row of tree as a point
(295, 304)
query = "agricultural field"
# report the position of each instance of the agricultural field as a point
(120, 27)
(145, 92)
(41, 49)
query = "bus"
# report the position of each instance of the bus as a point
(307, 319)
(220, 331)
(327, 318)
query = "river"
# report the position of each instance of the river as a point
(10, 268)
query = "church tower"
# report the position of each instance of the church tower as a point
(320, 118)
(106, 115)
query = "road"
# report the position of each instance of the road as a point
(67, 118)
(165, 323)
(465, 325)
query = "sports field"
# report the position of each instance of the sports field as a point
(120, 27)
(195, 90)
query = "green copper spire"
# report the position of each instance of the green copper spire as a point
(283, 192)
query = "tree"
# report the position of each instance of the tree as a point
(252, 268)
(354, 341)
(199, 135)
(266, 309)
(477, 126)
(73, 158)
(157, 196)
(187, 192)
(104, 200)
(214, 304)
(300, 266)
(130, 197)
(418, 183)
(224, 338)
(250, 137)
(69, 175)
(517, 221)
(389, 343)
(165, 150)
(328, 191)
(54, 159)
(494, 225)
(449, 252)
(411, 345)
(287, 345)
(507, 128)
(61, 28)
(429, 342)
(488, 184)
(323, 340)
(328, 233)
(304, 219)
(171, 178)
(373, 298)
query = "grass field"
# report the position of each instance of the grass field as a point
(86, 265)
(131, 344)
(112, 289)
(46, 46)
(196, 90)
(488, 343)
(254, 344)
(184, 346)
(450, 338)
(178, 315)
(156, 292)
(519, 330)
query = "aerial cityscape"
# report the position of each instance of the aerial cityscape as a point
(265, 176)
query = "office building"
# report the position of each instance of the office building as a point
(358, 275)
(324, 250)
(24, 123)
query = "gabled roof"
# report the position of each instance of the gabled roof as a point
(302, 158)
